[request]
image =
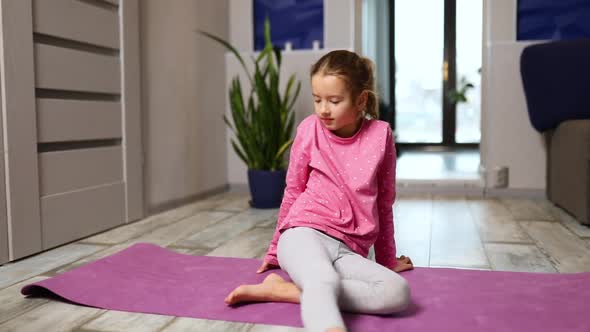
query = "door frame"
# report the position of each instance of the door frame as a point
(4, 249)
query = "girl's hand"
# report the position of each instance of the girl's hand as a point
(403, 264)
(266, 266)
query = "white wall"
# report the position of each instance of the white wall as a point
(508, 139)
(341, 31)
(183, 99)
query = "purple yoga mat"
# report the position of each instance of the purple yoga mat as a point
(150, 279)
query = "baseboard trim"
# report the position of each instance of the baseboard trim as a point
(516, 193)
(467, 188)
(169, 205)
(441, 190)
(470, 189)
(239, 187)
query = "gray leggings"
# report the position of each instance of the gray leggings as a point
(331, 277)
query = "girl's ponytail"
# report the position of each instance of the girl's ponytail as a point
(372, 106)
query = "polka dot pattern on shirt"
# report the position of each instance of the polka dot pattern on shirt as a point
(342, 185)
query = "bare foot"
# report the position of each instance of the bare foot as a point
(336, 329)
(272, 289)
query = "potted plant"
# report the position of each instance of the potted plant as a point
(457, 96)
(263, 124)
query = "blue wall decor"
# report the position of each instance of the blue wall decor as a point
(553, 19)
(298, 21)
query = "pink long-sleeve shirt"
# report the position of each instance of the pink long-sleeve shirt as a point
(344, 187)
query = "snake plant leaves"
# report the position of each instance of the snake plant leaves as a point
(263, 125)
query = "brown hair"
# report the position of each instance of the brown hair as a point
(356, 71)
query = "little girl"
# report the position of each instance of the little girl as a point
(337, 203)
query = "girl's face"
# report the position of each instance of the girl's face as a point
(334, 105)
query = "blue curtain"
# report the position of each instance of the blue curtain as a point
(297, 21)
(553, 19)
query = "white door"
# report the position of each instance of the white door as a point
(72, 119)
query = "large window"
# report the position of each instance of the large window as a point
(437, 59)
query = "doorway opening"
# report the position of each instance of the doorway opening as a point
(428, 55)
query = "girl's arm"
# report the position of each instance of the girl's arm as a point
(296, 181)
(385, 253)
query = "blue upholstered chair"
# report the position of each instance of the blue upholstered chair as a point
(556, 81)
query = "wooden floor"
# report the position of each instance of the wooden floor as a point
(491, 234)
